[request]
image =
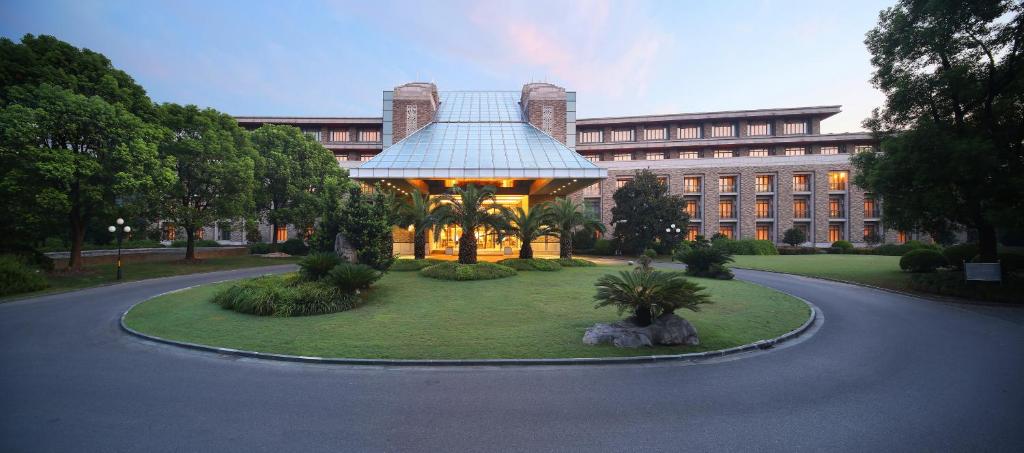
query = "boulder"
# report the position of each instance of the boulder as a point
(344, 249)
(668, 329)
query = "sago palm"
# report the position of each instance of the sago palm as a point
(469, 208)
(649, 293)
(565, 217)
(525, 226)
(417, 213)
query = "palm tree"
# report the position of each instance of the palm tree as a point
(649, 293)
(416, 212)
(525, 226)
(565, 217)
(470, 209)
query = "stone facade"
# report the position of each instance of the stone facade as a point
(414, 106)
(544, 106)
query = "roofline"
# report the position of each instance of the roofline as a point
(731, 141)
(821, 110)
(309, 119)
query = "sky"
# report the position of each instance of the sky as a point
(323, 58)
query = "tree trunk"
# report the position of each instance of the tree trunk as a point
(526, 251)
(987, 243)
(643, 316)
(190, 244)
(77, 240)
(419, 248)
(565, 245)
(467, 248)
(273, 233)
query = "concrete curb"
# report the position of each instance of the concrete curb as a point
(689, 357)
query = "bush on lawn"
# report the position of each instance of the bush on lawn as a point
(532, 264)
(317, 265)
(749, 247)
(451, 270)
(16, 276)
(575, 262)
(842, 245)
(413, 265)
(707, 262)
(902, 249)
(603, 247)
(650, 253)
(648, 294)
(922, 260)
(957, 254)
(583, 240)
(350, 278)
(294, 247)
(273, 296)
(794, 237)
(260, 248)
(952, 283)
(797, 250)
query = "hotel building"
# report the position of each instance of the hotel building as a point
(744, 174)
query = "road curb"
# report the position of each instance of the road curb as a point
(689, 357)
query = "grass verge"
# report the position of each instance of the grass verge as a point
(882, 271)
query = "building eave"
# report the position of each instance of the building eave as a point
(816, 111)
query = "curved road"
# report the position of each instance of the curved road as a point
(883, 372)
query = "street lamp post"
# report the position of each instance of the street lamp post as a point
(119, 231)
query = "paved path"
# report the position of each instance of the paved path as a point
(883, 372)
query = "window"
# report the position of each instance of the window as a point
(727, 184)
(200, 233)
(591, 136)
(863, 148)
(801, 209)
(723, 130)
(339, 136)
(758, 152)
(365, 157)
(763, 232)
(663, 180)
(592, 207)
(281, 233)
(871, 229)
(835, 207)
(340, 158)
(692, 208)
(759, 128)
(837, 180)
(726, 209)
(369, 136)
(659, 133)
(801, 183)
(689, 155)
(311, 132)
(170, 232)
(225, 232)
(592, 157)
(835, 232)
(828, 150)
(902, 237)
(764, 183)
(727, 231)
(799, 151)
(691, 232)
(365, 188)
(723, 153)
(691, 184)
(622, 156)
(593, 190)
(623, 135)
(763, 208)
(655, 156)
(870, 207)
(308, 232)
(794, 127)
(621, 182)
(688, 132)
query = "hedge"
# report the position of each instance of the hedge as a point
(452, 270)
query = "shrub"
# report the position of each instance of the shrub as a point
(662, 247)
(648, 293)
(650, 253)
(953, 284)
(294, 247)
(272, 296)
(31, 257)
(350, 278)
(603, 247)
(797, 250)
(750, 247)
(413, 265)
(451, 270)
(583, 239)
(707, 262)
(532, 264)
(308, 299)
(255, 297)
(575, 262)
(260, 248)
(922, 260)
(317, 265)
(794, 237)
(184, 243)
(956, 254)
(902, 249)
(842, 245)
(1008, 262)
(18, 277)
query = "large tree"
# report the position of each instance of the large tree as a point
(952, 126)
(297, 179)
(643, 210)
(469, 208)
(214, 164)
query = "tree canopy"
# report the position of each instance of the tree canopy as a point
(643, 209)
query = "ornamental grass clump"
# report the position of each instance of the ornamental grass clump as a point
(532, 264)
(648, 293)
(317, 265)
(352, 278)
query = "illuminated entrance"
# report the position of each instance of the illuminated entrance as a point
(487, 241)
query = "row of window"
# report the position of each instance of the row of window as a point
(362, 157)
(837, 181)
(727, 153)
(690, 132)
(343, 135)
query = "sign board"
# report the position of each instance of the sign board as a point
(982, 272)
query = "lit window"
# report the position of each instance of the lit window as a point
(691, 184)
(339, 136)
(722, 154)
(623, 135)
(723, 130)
(692, 208)
(655, 156)
(902, 237)
(281, 234)
(726, 209)
(801, 209)
(622, 182)
(835, 207)
(801, 183)
(365, 157)
(871, 230)
(835, 232)
(660, 133)
(369, 136)
(622, 156)
(794, 127)
(764, 183)
(763, 208)
(308, 233)
(365, 188)
(727, 231)
(763, 232)
(796, 151)
(200, 233)
(759, 152)
(340, 158)
(760, 128)
(689, 155)
(688, 132)
(863, 148)
(170, 232)
(837, 180)
(593, 190)
(313, 133)
(829, 150)
(870, 207)
(727, 184)
(591, 136)
(691, 232)
(592, 157)
(663, 180)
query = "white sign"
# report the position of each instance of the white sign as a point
(983, 272)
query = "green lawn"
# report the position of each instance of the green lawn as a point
(407, 316)
(95, 275)
(883, 271)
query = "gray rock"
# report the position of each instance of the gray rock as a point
(668, 329)
(344, 249)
